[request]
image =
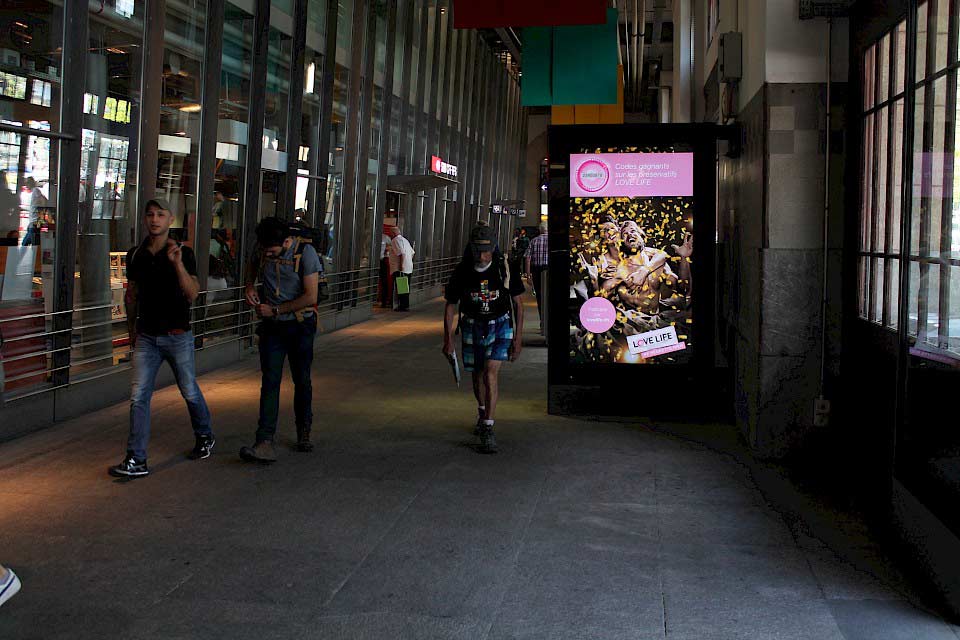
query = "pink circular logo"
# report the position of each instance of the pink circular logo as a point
(593, 175)
(598, 315)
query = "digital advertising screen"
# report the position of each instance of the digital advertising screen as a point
(632, 252)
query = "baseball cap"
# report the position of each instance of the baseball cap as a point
(482, 238)
(160, 203)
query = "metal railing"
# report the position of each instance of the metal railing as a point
(219, 316)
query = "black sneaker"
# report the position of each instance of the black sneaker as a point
(303, 440)
(488, 443)
(478, 429)
(203, 447)
(130, 468)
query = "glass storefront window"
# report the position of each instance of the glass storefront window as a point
(232, 137)
(403, 16)
(369, 240)
(108, 216)
(276, 100)
(309, 183)
(316, 24)
(225, 269)
(338, 135)
(179, 142)
(431, 53)
(30, 86)
(927, 445)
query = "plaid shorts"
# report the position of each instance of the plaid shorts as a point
(485, 340)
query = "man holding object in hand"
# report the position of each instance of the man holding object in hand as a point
(289, 273)
(161, 285)
(488, 299)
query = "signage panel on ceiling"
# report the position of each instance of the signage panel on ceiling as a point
(439, 166)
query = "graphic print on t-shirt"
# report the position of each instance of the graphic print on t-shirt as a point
(484, 297)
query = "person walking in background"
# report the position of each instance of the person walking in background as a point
(36, 201)
(518, 250)
(9, 212)
(487, 298)
(538, 255)
(289, 270)
(386, 289)
(161, 285)
(401, 264)
(9, 584)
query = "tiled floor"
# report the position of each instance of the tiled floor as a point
(396, 528)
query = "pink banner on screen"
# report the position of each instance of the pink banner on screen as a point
(631, 175)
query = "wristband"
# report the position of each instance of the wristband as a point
(276, 311)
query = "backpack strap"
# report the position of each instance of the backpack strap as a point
(297, 255)
(300, 244)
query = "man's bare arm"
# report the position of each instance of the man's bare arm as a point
(517, 329)
(449, 326)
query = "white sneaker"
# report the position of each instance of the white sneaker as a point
(9, 586)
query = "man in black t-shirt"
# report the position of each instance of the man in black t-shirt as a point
(161, 285)
(487, 296)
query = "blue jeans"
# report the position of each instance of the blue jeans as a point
(279, 340)
(149, 354)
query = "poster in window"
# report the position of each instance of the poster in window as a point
(631, 243)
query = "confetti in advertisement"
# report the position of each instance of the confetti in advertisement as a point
(632, 247)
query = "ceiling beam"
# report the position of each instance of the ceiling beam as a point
(509, 39)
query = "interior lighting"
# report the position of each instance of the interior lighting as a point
(311, 76)
(190, 108)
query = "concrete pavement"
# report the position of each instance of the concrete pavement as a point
(396, 528)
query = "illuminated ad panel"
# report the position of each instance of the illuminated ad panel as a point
(631, 243)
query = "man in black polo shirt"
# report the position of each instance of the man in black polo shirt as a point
(161, 286)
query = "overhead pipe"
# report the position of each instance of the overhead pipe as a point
(825, 283)
(641, 40)
(637, 71)
(625, 60)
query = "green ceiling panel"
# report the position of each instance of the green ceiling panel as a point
(584, 63)
(535, 84)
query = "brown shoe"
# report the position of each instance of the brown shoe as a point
(260, 452)
(303, 440)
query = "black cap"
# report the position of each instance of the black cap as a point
(482, 238)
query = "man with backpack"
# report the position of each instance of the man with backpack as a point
(487, 297)
(288, 268)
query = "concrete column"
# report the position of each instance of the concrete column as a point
(771, 212)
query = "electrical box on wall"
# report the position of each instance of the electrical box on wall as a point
(730, 58)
